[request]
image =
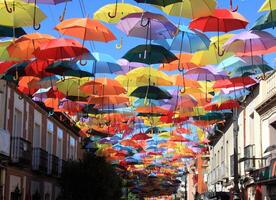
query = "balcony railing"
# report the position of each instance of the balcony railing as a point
(40, 160)
(21, 151)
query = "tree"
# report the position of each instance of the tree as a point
(91, 178)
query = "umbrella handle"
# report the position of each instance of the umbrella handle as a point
(15, 78)
(231, 7)
(35, 26)
(220, 53)
(120, 45)
(83, 62)
(141, 22)
(51, 113)
(9, 10)
(115, 11)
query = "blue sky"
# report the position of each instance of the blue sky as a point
(247, 8)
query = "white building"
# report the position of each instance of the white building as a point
(257, 135)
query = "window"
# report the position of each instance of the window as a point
(251, 125)
(59, 143)
(222, 154)
(218, 161)
(17, 123)
(36, 135)
(49, 144)
(72, 148)
(249, 153)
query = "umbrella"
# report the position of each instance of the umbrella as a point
(268, 5)
(179, 80)
(159, 2)
(113, 13)
(140, 136)
(46, 82)
(6, 31)
(251, 43)
(146, 76)
(147, 25)
(4, 55)
(191, 8)
(183, 62)
(229, 104)
(186, 40)
(265, 21)
(19, 13)
(221, 21)
(71, 86)
(37, 68)
(60, 49)
(202, 74)
(102, 87)
(60, 67)
(15, 71)
(234, 82)
(108, 99)
(151, 92)
(24, 47)
(127, 66)
(149, 54)
(85, 29)
(102, 63)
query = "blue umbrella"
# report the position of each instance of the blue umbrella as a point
(103, 63)
(186, 40)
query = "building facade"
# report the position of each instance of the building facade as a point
(34, 145)
(256, 147)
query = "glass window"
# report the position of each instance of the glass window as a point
(17, 123)
(36, 135)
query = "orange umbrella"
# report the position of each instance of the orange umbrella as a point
(24, 81)
(108, 99)
(24, 47)
(102, 87)
(183, 63)
(116, 117)
(152, 109)
(131, 143)
(52, 103)
(179, 80)
(85, 29)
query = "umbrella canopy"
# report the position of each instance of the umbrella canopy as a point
(23, 14)
(60, 49)
(151, 92)
(24, 47)
(37, 68)
(265, 21)
(191, 8)
(108, 99)
(186, 40)
(268, 5)
(183, 62)
(6, 31)
(251, 43)
(85, 29)
(158, 2)
(147, 25)
(113, 13)
(54, 2)
(150, 54)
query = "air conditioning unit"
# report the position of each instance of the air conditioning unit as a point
(5, 142)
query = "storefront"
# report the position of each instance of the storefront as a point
(265, 181)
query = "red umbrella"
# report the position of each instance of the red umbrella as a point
(60, 49)
(234, 82)
(4, 66)
(140, 136)
(37, 68)
(222, 20)
(230, 104)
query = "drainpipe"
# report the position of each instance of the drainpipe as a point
(6, 104)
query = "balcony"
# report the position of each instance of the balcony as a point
(21, 151)
(40, 160)
(4, 144)
(271, 85)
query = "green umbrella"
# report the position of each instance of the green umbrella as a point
(149, 54)
(265, 21)
(210, 116)
(250, 70)
(151, 92)
(6, 31)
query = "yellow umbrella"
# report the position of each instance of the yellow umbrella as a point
(191, 8)
(209, 57)
(144, 76)
(20, 14)
(268, 5)
(222, 39)
(113, 13)
(71, 86)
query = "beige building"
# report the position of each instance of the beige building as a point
(256, 146)
(33, 147)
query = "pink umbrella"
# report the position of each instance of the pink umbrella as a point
(251, 43)
(127, 66)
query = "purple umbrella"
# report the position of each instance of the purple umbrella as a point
(204, 74)
(251, 43)
(147, 25)
(54, 2)
(127, 66)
